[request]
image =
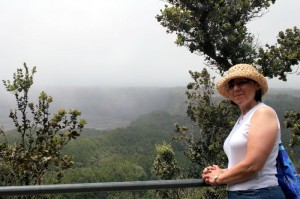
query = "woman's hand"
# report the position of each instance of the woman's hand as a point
(210, 173)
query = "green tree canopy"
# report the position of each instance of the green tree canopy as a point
(217, 30)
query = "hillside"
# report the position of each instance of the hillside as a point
(131, 149)
(127, 153)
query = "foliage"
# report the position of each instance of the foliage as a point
(204, 145)
(277, 59)
(213, 119)
(122, 154)
(134, 143)
(165, 168)
(293, 123)
(26, 161)
(217, 29)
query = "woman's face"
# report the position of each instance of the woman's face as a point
(242, 91)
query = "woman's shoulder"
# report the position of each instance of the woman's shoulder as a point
(266, 107)
(265, 110)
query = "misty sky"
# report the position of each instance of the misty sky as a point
(109, 43)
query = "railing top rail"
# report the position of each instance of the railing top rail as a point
(97, 187)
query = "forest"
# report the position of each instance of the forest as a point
(127, 153)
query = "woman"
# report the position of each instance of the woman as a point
(252, 145)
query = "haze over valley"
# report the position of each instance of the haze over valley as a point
(108, 108)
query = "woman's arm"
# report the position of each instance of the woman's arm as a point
(261, 139)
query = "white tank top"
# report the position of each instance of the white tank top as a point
(235, 147)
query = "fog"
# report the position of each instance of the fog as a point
(108, 108)
(110, 43)
(104, 108)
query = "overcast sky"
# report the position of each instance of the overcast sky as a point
(109, 42)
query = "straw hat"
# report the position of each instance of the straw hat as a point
(241, 71)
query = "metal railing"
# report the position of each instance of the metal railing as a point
(98, 187)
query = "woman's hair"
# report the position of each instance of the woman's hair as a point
(258, 95)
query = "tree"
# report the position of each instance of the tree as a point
(217, 30)
(203, 141)
(292, 122)
(212, 118)
(165, 167)
(42, 136)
